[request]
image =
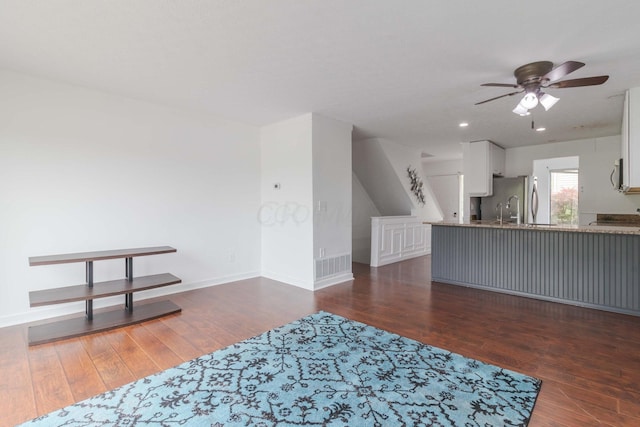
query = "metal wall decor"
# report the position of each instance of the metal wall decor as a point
(416, 184)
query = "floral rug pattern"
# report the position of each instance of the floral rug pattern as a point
(321, 370)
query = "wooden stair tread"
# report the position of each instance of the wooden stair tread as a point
(99, 255)
(100, 289)
(103, 321)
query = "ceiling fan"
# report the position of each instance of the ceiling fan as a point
(532, 78)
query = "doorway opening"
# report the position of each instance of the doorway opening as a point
(542, 171)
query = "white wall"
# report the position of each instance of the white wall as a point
(363, 210)
(446, 190)
(402, 157)
(82, 170)
(444, 178)
(332, 197)
(596, 163)
(309, 216)
(286, 214)
(443, 167)
(379, 178)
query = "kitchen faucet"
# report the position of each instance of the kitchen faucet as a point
(517, 207)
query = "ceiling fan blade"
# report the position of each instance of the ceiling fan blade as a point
(501, 85)
(587, 81)
(498, 97)
(562, 70)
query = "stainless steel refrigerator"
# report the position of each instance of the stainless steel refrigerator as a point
(503, 190)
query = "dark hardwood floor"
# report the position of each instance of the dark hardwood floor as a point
(589, 360)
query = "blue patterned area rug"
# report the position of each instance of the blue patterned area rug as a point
(321, 370)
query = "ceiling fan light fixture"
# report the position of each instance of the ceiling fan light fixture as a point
(548, 101)
(529, 101)
(520, 110)
(531, 78)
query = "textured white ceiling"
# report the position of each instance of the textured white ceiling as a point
(406, 71)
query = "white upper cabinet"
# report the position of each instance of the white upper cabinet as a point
(631, 142)
(497, 159)
(482, 160)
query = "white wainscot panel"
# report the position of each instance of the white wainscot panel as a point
(396, 238)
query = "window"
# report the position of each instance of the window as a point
(563, 199)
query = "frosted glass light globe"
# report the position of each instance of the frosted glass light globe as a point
(529, 101)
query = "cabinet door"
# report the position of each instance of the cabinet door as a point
(624, 136)
(478, 178)
(497, 156)
(631, 142)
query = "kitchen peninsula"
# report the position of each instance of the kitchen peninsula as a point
(590, 266)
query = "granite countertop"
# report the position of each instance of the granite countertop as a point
(607, 229)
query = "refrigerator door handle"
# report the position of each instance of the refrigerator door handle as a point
(613, 184)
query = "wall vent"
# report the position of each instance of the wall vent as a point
(327, 267)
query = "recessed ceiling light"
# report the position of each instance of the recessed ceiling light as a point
(541, 129)
(463, 124)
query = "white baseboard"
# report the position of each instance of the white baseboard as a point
(403, 258)
(288, 280)
(318, 284)
(325, 283)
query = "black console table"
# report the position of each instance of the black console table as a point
(89, 291)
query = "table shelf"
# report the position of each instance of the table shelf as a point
(103, 321)
(89, 291)
(100, 290)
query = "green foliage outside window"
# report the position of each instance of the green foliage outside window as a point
(564, 206)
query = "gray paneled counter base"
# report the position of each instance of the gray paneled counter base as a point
(575, 266)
